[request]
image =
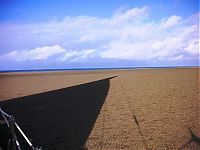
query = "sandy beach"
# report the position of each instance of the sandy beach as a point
(106, 109)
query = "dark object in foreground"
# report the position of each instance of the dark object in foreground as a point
(4, 134)
(8, 138)
(60, 119)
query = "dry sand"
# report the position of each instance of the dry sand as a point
(142, 109)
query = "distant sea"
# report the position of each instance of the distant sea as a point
(93, 69)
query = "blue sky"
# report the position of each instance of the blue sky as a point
(83, 34)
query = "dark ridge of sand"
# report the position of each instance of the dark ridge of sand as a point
(140, 109)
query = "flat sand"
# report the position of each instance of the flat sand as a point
(135, 109)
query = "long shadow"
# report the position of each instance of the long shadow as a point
(59, 119)
(140, 132)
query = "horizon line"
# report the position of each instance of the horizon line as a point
(93, 68)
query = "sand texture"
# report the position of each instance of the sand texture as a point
(105, 110)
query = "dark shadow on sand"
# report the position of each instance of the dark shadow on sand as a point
(140, 132)
(194, 138)
(60, 119)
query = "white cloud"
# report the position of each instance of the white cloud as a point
(40, 53)
(44, 53)
(193, 47)
(171, 21)
(131, 14)
(77, 55)
(129, 34)
(173, 39)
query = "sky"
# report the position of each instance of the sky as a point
(63, 34)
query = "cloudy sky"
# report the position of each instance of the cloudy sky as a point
(51, 34)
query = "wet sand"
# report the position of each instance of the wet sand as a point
(136, 109)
